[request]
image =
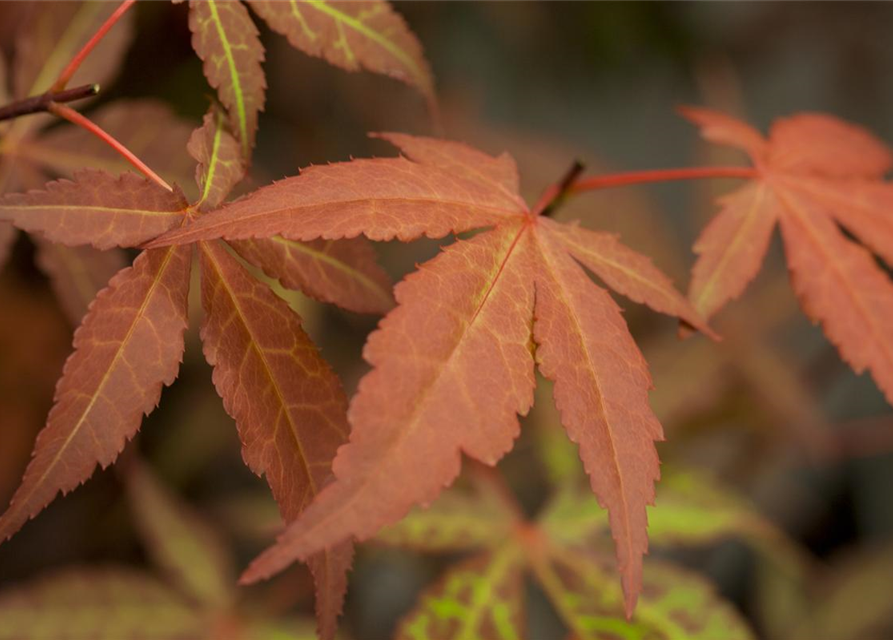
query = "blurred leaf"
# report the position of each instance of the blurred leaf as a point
(480, 598)
(110, 604)
(856, 602)
(180, 542)
(674, 603)
(457, 521)
(689, 509)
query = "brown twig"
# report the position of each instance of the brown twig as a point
(37, 104)
(555, 194)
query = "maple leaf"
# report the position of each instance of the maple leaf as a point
(453, 364)
(288, 406)
(482, 596)
(31, 153)
(179, 541)
(194, 597)
(348, 34)
(814, 172)
(108, 603)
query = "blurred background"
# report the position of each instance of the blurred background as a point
(771, 412)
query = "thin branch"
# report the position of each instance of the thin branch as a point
(36, 104)
(74, 117)
(81, 55)
(660, 175)
(556, 193)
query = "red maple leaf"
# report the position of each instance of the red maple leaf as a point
(288, 405)
(453, 364)
(814, 172)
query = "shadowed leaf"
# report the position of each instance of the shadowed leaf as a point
(128, 346)
(77, 274)
(51, 35)
(180, 542)
(7, 239)
(110, 604)
(353, 35)
(343, 272)
(288, 405)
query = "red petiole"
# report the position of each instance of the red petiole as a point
(66, 112)
(81, 55)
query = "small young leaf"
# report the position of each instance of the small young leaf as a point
(343, 272)
(100, 604)
(97, 209)
(180, 542)
(220, 166)
(480, 598)
(128, 346)
(227, 41)
(352, 35)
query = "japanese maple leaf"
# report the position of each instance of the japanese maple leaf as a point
(814, 172)
(348, 34)
(288, 405)
(482, 595)
(453, 364)
(187, 591)
(31, 154)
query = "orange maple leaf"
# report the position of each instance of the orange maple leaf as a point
(814, 172)
(453, 364)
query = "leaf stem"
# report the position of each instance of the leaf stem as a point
(660, 175)
(556, 193)
(36, 104)
(74, 117)
(81, 55)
